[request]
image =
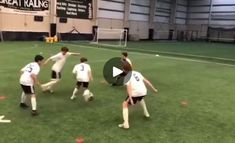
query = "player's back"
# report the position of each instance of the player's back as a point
(59, 60)
(82, 72)
(129, 61)
(31, 68)
(137, 84)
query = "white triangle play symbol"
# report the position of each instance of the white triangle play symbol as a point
(116, 71)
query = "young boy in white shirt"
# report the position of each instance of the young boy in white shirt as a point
(59, 61)
(28, 80)
(136, 91)
(83, 76)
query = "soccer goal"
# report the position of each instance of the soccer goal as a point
(110, 37)
(1, 37)
(221, 34)
(165, 35)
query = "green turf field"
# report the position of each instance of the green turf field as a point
(207, 86)
(216, 52)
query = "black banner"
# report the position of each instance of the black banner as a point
(81, 9)
(30, 6)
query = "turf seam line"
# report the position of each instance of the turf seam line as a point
(172, 54)
(162, 52)
(152, 54)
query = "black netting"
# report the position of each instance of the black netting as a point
(221, 34)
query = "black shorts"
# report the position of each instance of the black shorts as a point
(123, 74)
(135, 99)
(84, 84)
(28, 89)
(55, 75)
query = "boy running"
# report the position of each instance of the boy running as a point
(83, 76)
(57, 67)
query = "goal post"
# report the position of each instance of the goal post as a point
(221, 34)
(110, 37)
(1, 37)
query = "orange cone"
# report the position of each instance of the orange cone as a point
(80, 140)
(184, 103)
(2, 97)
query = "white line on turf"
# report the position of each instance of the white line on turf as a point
(160, 56)
(198, 61)
(4, 121)
(179, 54)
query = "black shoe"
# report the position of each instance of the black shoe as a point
(91, 98)
(114, 84)
(23, 105)
(34, 113)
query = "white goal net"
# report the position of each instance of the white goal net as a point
(110, 37)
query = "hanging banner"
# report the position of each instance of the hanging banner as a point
(32, 7)
(81, 9)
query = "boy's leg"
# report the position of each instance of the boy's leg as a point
(23, 98)
(26, 90)
(75, 91)
(34, 105)
(125, 115)
(49, 86)
(143, 105)
(85, 87)
(88, 96)
(23, 101)
(55, 78)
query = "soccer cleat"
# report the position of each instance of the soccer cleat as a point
(120, 125)
(91, 98)
(72, 97)
(23, 105)
(43, 87)
(51, 91)
(34, 113)
(123, 126)
(46, 89)
(114, 84)
(147, 115)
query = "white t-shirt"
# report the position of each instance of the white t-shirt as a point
(82, 72)
(59, 60)
(137, 83)
(28, 70)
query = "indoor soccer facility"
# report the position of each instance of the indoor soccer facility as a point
(117, 71)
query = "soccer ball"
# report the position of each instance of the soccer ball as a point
(88, 96)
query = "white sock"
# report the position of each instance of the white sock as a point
(34, 103)
(23, 97)
(143, 105)
(125, 117)
(74, 93)
(50, 84)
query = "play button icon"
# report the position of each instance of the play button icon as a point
(113, 72)
(116, 71)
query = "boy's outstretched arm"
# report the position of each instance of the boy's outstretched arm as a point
(150, 85)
